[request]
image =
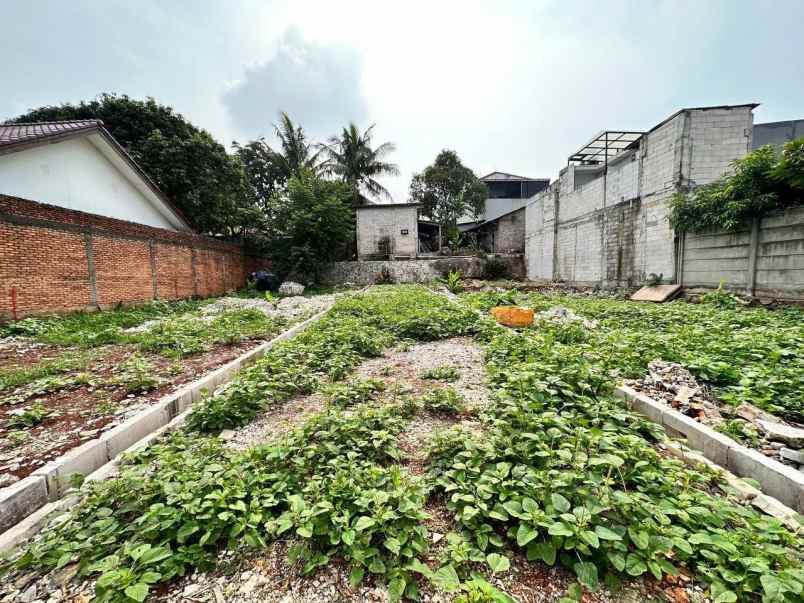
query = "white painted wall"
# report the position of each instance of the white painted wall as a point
(75, 174)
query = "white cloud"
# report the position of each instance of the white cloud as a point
(317, 84)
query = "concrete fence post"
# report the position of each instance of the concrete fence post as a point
(753, 254)
(193, 262)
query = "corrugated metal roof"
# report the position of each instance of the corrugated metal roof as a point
(504, 176)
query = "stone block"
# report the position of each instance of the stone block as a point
(79, 461)
(777, 480)
(19, 500)
(136, 428)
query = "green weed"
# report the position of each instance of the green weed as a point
(29, 417)
(444, 400)
(444, 372)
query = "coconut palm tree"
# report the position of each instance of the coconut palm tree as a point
(351, 158)
(296, 153)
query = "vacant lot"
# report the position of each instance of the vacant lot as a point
(64, 380)
(407, 447)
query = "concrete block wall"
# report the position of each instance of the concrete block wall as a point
(376, 223)
(509, 235)
(539, 234)
(619, 235)
(54, 260)
(766, 259)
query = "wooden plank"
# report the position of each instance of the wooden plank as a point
(657, 293)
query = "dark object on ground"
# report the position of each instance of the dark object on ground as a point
(264, 281)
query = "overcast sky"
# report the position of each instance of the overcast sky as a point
(510, 86)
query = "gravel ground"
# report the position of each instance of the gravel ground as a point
(290, 308)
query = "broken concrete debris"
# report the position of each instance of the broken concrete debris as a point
(678, 388)
(673, 384)
(562, 316)
(290, 288)
(778, 432)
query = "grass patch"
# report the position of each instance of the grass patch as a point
(444, 401)
(444, 372)
(12, 378)
(750, 355)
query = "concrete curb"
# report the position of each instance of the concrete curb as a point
(776, 479)
(44, 488)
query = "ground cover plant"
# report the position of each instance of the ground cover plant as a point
(570, 476)
(746, 354)
(334, 482)
(445, 372)
(91, 370)
(88, 329)
(560, 470)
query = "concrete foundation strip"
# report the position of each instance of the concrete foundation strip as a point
(25, 506)
(777, 480)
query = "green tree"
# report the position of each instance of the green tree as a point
(447, 190)
(187, 164)
(352, 159)
(758, 183)
(268, 170)
(313, 224)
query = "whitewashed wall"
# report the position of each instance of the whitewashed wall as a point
(74, 174)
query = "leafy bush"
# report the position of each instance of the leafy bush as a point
(444, 400)
(453, 282)
(759, 183)
(445, 372)
(356, 391)
(720, 298)
(494, 269)
(136, 374)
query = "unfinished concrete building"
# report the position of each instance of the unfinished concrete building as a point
(387, 231)
(605, 221)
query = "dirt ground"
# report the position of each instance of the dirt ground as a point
(93, 403)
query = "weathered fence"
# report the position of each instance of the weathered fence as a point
(766, 259)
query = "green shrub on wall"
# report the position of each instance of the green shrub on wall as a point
(760, 182)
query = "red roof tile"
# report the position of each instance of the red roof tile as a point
(17, 133)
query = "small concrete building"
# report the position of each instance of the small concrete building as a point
(504, 234)
(387, 231)
(501, 226)
(78, 166)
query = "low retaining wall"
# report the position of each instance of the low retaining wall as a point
(50, 482)
(777, 480)
(54, 259)
(422, 270)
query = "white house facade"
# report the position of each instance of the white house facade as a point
(77, 165)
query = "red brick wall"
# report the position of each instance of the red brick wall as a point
(122, 270)
(174, 271)
(54, 260)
